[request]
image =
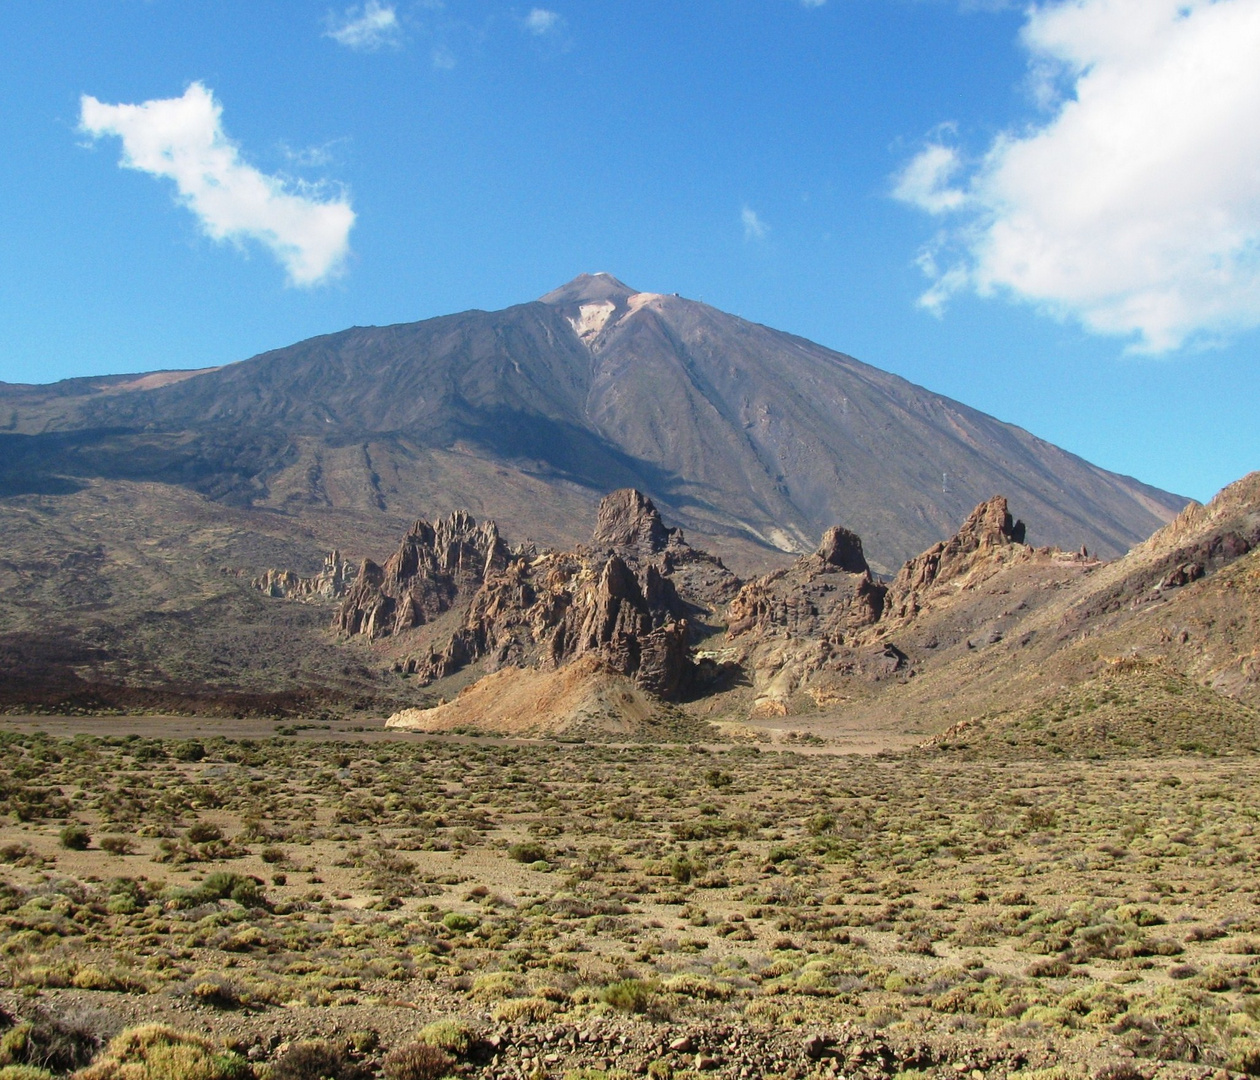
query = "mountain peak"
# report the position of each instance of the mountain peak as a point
(590, 289)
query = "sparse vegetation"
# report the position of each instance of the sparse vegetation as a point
(929, 900)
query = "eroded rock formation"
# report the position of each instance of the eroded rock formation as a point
(331, 582)
(826, 594)
(987, 538)
(805, 629)
(433, 566)
(618, 600)
(635, 600)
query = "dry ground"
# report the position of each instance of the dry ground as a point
(745, 911)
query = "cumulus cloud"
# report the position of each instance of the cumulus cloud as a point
(1134, 206)
(541, 21)
(182, 139)
(754, 227)
(366, 29)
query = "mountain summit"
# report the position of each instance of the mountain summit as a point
(753, 439)
(590, 289)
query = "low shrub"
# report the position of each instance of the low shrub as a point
(158, 1052)
(454, 1037)
(190, 750)
(57, 1041)
(223, 885)
(460, 924)
(202, 832)
(628, 995)
(417, 1061)
(527, 851)
(118, 845)
(319, 1060)
(533, 1009)
(74, 838)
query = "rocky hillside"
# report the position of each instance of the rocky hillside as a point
(978, 631)
(754, 440)
(1158, 648)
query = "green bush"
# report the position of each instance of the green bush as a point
(74, 838)
(682, 869)
(221, 885)
(118, 845)
(452, 1036)
(527, 851)
(190, 750)
(628, 995)
(460, 924)
(202, 832)
(157, 1052)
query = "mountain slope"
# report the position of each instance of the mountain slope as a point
(1026, 647)
(754, 439)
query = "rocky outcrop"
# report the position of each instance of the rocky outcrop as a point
(825, 619)
(329, 584)
(632, 603)
(827, 594)
(627, 520)
(433, 567)
(804, 623)
(628, 523)
(628, 601)
(1197, 544)
(988, 537)
(612, 605)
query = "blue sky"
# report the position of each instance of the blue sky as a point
(1051, 214)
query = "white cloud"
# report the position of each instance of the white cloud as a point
(541, 21)
(924, 181)
(182, 139)
(1135, 206)
(754, 227)
(368, 28)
